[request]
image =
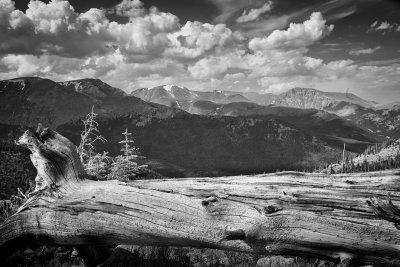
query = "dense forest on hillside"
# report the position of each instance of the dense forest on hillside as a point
(377, 157)
(16, 169)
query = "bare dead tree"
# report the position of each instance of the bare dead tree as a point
(89, 136)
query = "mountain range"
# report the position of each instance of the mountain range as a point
(304, 98)
(191, 133)
(380, 121)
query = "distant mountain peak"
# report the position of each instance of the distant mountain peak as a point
(312, 98)
(93, 88)
(167, 87)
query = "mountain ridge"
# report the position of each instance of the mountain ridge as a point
(32, 100)
(182, 144)
(95, 88)
(380, 122)
(295, 97)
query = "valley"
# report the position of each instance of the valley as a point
(185, 133)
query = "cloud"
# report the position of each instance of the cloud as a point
(297, 35)
(332, 11)
(53, 28)
(367, 51)
(195, 39)
(144, 38)
(254, 14)
(45, 65)
(374, 24)
(230, 8)
(276, 85)
(213, 66)
(152, 48)
(128, 8)
(235, 76)
(384, 26)
(56, 29)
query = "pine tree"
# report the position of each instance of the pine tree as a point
(99, 165)
(124, 168)
(128, 149)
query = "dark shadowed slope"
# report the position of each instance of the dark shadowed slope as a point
(28, 101)
(327, 126)
(191, 145)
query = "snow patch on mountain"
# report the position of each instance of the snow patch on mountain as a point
(168, 87)
(19, 82)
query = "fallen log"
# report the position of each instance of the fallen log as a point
(341, 218)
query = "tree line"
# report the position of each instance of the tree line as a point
(351, 163)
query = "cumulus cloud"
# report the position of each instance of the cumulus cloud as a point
(297, 35)
(195, 39)
(45, 65)
(275, 85)
(255, 13)
(144, 38)
(55, 28)
(216, 66)
(128, 8)
(367, 51)
(208, 67)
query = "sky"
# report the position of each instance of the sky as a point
(266, 46)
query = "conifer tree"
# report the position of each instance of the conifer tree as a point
(99, 165)
(124, 168)
(128, 149)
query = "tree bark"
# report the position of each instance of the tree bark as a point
(341, 218)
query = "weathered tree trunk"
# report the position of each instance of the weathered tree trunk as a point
(337, 217)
